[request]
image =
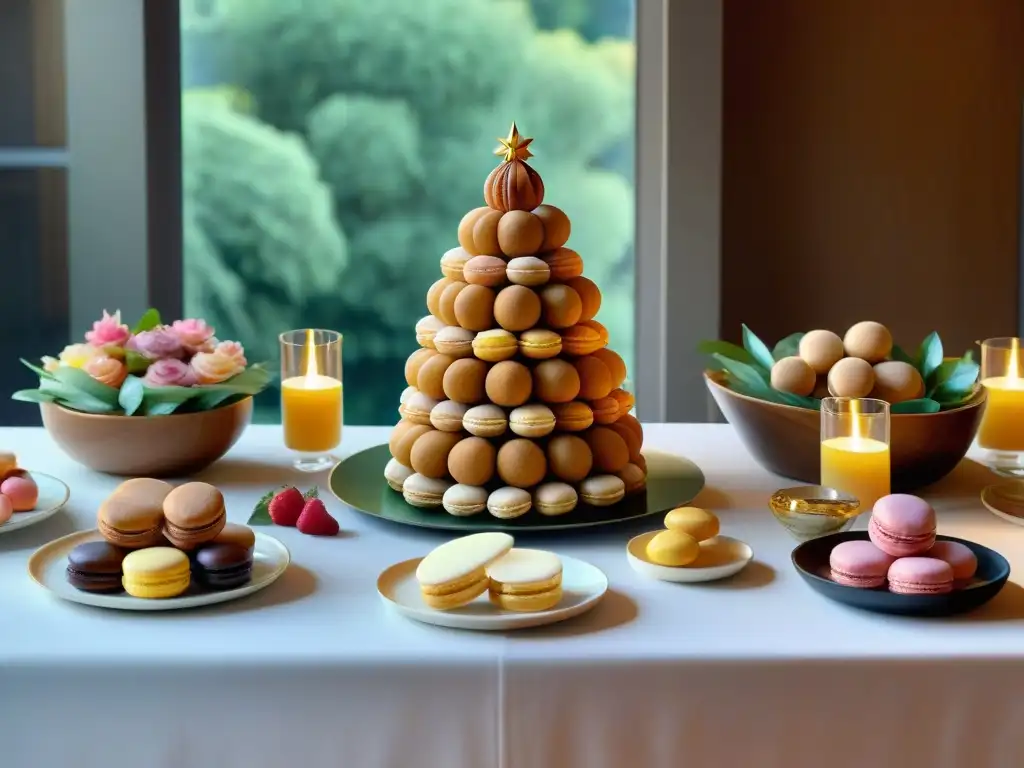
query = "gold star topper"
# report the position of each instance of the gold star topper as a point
(514, 147)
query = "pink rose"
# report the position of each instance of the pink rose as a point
(106, 370)
(157, 344)
(194, 334)
(215, 367)
(170, 372)
(233, 350)
(108, 331)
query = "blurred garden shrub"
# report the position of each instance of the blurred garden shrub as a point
(328, 165)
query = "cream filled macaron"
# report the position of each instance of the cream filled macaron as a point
(447, 416)
(453, 262)
(495, 345)
(602, 490)
(485, 421)
(464, 500)
(533, 420)
(673, 548)
(525, 580)
(508, 503)
(540, 344)
(528, 270)
(553, 499)
(485, 270)
(454, 341)
(454, 573)
(421, 491)
(396, 473)
(696, 522)
(418, 407)
(426, 330)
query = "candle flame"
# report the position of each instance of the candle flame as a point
(855, 425)
(1013, 364)
(311, 368)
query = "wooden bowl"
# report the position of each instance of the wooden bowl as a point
(787, 440)
(147, 446)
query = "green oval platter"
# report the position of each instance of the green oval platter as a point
(358, 481)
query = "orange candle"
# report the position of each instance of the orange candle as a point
(311, 395)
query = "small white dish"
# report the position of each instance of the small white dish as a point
(720, 558)
(47, 565)
(53, 495)
(583, 586)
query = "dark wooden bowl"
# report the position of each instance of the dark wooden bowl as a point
(787, 440)
(147, 446)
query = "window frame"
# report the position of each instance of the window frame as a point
(133, 205)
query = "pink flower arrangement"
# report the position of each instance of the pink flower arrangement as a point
(154, 369)
(183, 354)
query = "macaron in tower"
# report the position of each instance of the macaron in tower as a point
(514, 400)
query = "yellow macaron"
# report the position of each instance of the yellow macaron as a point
(673, 548)
(454, 574)
(695, 521)
(526, 580)
(155, 572)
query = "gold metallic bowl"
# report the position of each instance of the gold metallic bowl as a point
(812, 511)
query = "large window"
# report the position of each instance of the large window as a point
(330, 147)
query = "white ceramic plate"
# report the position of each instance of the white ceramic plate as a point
(719, 558)
(48, 563)
(583, 586)
(53, 495)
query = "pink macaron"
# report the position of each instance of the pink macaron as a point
(920, 576)
(859, 564)
(22, 491)
(959, 556)
(902, 525)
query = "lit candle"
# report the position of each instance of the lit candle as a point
(1002, 426)
(311, 407)
(856, 463)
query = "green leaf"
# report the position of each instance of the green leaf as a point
(957, 381)
(150, 319)
(136, 361)
(757, 349)
(725, 349)
(261, 512)
(75, 399)
(131, 394)
(312, 493)
(929, 355)
(42, 373)
(163, 408)
(788, 347)
(903, 357)
(922, 405)
(33, 396)
(82, 381)
(747, 374)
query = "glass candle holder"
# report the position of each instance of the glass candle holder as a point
(855, 448)
(311, 396)
(1002, 426)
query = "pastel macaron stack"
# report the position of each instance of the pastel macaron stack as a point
(157, 537)
(902, 554)
(18, 491)
(679, 544)
(458, 572)
(514, 402)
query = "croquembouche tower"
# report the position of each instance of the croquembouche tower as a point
(514, 402)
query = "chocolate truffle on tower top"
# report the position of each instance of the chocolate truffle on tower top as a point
(514, 185)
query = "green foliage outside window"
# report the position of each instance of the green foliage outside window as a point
(332, 152)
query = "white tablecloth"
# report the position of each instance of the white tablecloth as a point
(754, 672)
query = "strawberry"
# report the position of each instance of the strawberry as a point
(286, 507)
(315, 520)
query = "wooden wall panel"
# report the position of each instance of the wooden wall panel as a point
(871, 164)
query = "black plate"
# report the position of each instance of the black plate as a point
(811, 561)
(358, 481)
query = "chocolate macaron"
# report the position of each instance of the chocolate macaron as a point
(193, 515)
(222, 566)
(95, 566)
